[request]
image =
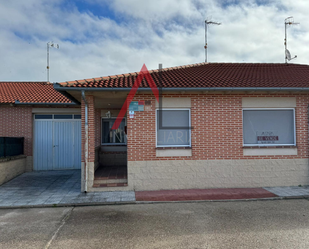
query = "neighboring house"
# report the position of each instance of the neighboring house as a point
(249, 128)
(48, 121)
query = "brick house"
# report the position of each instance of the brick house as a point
(40, 114)
(248, 128)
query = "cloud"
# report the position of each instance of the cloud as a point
(99, 38)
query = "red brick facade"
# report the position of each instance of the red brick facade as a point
(17, 122)
(217, 128)
(94, 129)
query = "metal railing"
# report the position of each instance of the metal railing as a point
(11, 146)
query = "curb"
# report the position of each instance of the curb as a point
(70, 205)
(228, 200)
(306, 197)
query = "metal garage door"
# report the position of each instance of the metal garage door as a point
(57, 142)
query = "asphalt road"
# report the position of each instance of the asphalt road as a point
(247, 224)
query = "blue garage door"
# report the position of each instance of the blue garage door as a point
(57, 142)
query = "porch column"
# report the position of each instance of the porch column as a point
(88, 143)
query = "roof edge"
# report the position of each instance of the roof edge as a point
(66, 94)
(41, 103)
(59, 88)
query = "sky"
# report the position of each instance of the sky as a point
(100, 37)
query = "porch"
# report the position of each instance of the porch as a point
(115, 176)
(104, 150)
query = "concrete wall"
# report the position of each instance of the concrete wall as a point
(9, 169)
(113, 159)
(113, 155)
(186, 174)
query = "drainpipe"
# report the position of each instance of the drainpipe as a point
(86, 141)
(308, 134)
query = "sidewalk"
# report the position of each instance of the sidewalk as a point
(62, 188)
(54, 188)
(223, 194)
(203, 194)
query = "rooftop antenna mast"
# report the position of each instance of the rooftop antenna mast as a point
(206, 24)
(288, 21)
(53, 45)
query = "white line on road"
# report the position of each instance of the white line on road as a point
(57, 231)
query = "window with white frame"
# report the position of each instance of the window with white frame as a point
(173, 128)
(266, 127)
(110, 136)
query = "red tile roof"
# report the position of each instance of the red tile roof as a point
(211, 75)
(30, 92)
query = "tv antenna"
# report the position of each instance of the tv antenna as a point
(288, 21)
(206, 24)
(52, 45)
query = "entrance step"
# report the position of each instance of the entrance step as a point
(103, 180)
(98, 185)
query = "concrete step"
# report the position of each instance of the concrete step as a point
(108, 181)
(104, 185)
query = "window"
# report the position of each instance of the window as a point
(174, 129)
(43, 116)
(110, 136)
(269, 127)
(57, 116)
(62, 116)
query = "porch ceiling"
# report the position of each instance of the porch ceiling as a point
(110, 99)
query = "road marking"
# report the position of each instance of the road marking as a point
(57, 231)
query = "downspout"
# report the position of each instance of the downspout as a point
(86, 141)
(308, 134)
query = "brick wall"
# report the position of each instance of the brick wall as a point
(17, 122)
(91, 129)
(217, 133)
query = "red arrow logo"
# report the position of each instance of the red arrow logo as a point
(144, 73)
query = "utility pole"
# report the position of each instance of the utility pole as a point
(53, 45)
(206, 24)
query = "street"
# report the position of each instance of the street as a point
(240, 224)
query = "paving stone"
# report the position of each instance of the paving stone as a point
(53, 187)
(288, 191)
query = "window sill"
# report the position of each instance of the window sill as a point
(270, 151)
(174, 152)
(173, 148)
(271, 147)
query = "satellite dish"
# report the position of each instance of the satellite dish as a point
(288, 55)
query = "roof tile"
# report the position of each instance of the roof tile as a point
(30, 92)
(211, 75)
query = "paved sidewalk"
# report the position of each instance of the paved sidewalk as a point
(43, 188)
(203, 194)
(222, 194)
(289, 191)
(61, 188)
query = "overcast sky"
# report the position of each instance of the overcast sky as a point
(101, 37)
